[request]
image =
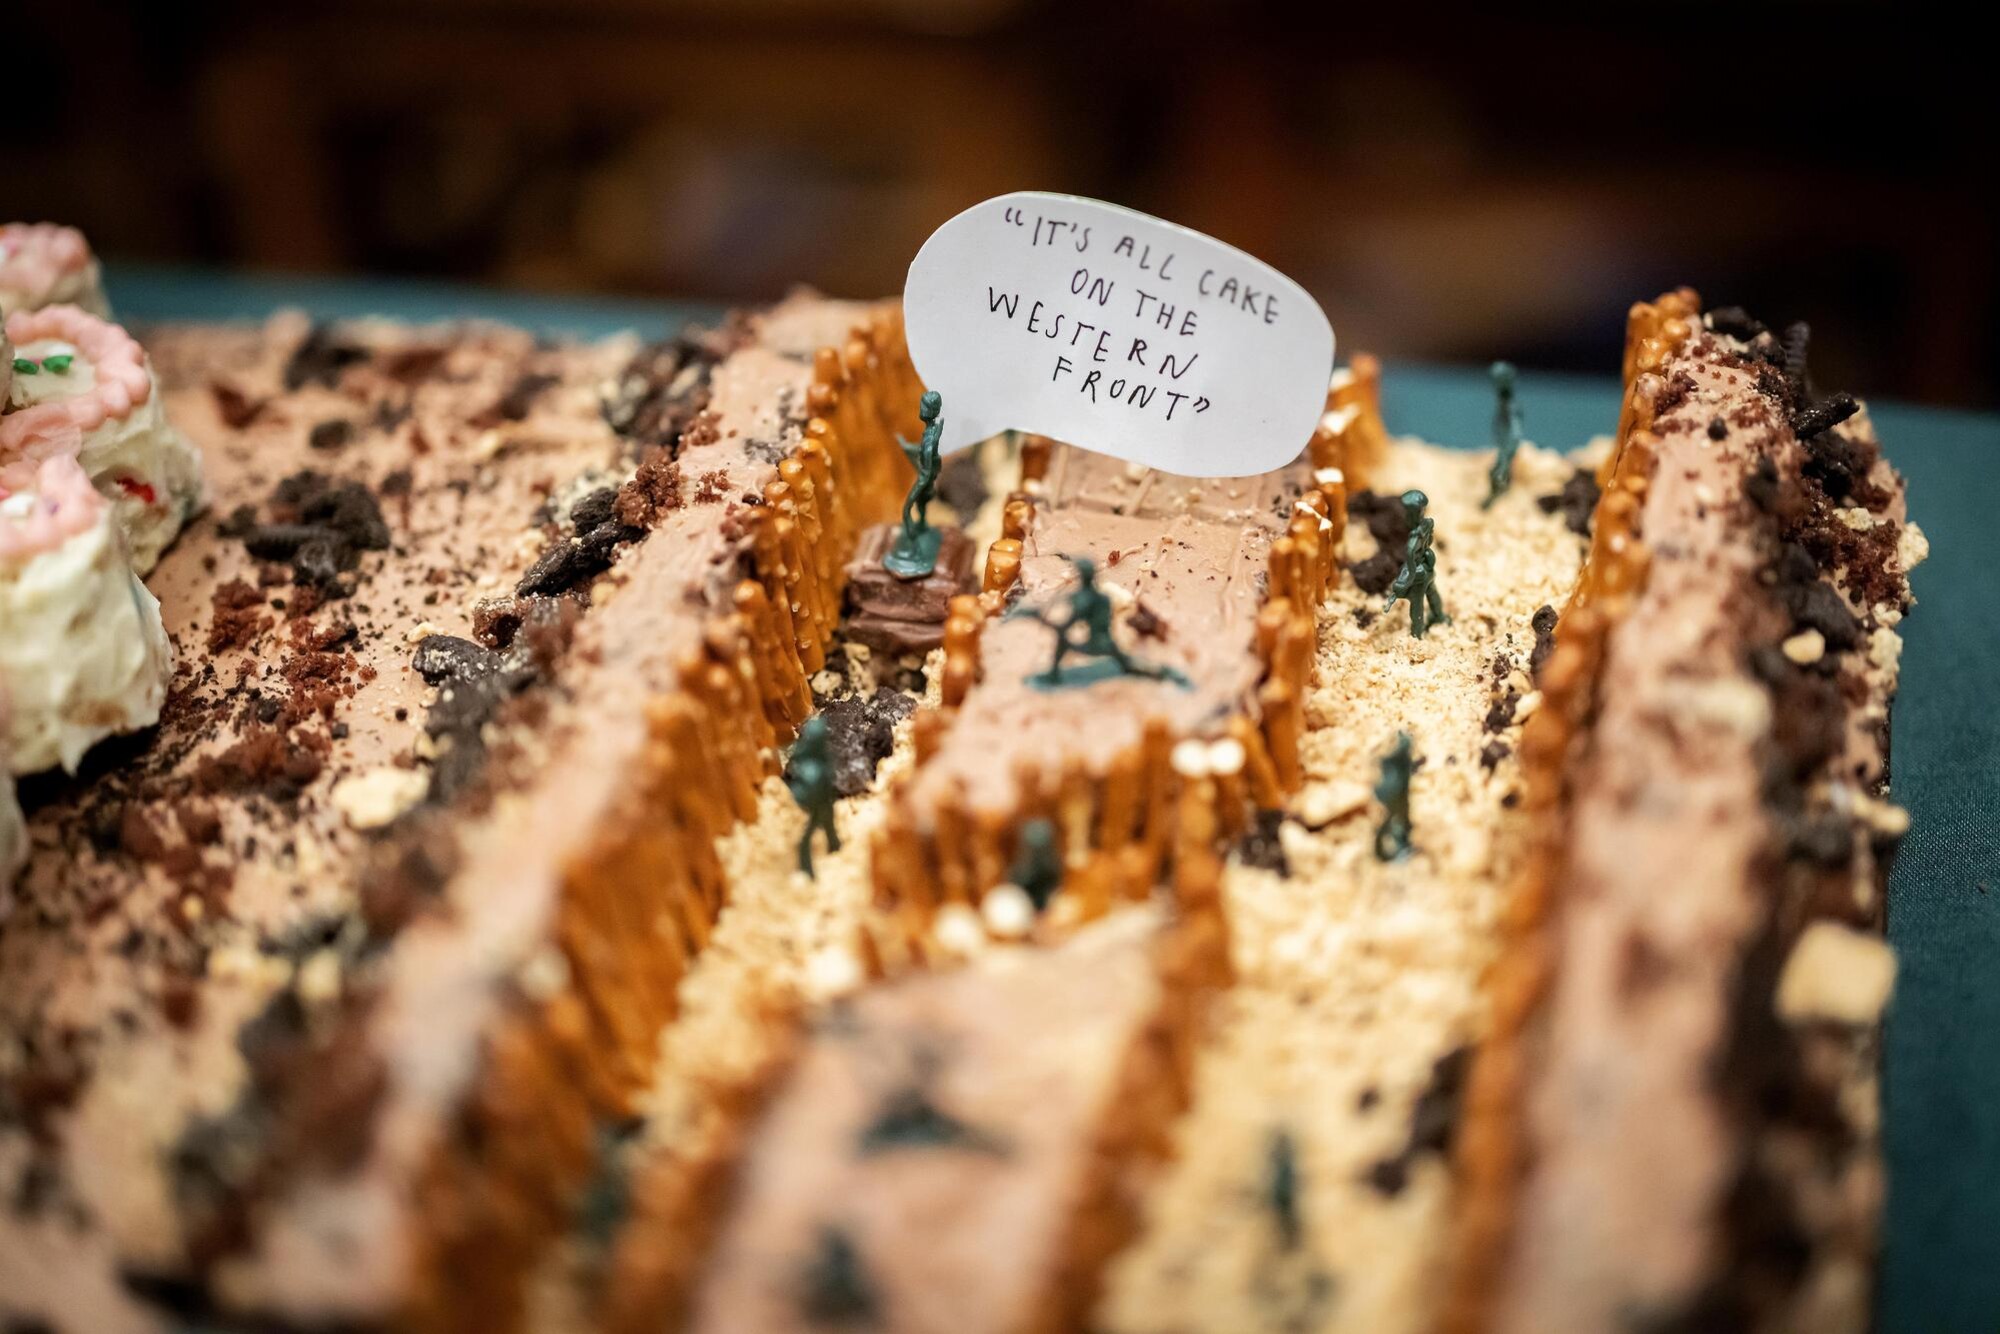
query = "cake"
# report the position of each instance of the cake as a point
(431, 952)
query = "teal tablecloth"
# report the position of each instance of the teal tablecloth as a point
(1941, 1265)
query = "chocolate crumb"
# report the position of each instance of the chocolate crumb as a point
(834, 1288)
(236, 408)
(655, 489)
(331, 435)
(1544, 625)
(236, 616)
(320, 358)
(1260, 845)
(1718, 429)
(1577, 500)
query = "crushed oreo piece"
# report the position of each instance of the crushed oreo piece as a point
(572, 560)
(962, 483)
(320, 358)
(1432, 1121)
(518, 400)
(320, 528)
(1544, 626)
(1797, 342)
(1735, 322)
(911, 1120)
(1577, 501)
(834, 1288)
(1824, 415)
(662, 390)
(472, 681)
(331, 435)
(1260, 845)
(861, 731)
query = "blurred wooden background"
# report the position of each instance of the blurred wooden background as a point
(1450, 186)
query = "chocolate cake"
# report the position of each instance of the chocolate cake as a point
(409, 929)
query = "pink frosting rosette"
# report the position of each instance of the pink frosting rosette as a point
(116, 357)
(56, 505)
(41, 262)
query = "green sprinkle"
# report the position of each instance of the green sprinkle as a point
(58, 364)
(22, 366)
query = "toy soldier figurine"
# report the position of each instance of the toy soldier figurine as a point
(914, 555)
(1090, 612)
(1392, 789)
(1417, 580)
(1506, 432)
(810, 777)
(1037, 867)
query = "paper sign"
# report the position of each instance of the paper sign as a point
(1118, 332)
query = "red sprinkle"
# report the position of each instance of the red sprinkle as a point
(134, 487)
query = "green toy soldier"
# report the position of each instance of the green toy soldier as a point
(1506, 432)
(1089, 611)
(1417, 580)
(1392, 789)
(915, 553)
(810, 777)
(1037, 867)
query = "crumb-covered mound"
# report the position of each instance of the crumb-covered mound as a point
(1311, 1185)
(189, 908)
(440, 634)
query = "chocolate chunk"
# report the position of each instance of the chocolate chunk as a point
(320, 359)
(1718, 429)
(861, 730)
(1577, 501)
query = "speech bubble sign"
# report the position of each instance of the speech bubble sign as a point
(1116, 331)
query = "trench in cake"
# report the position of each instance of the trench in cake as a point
(685, 1177)
(783, 943)
(1727, 1035)
(1337, 1056)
